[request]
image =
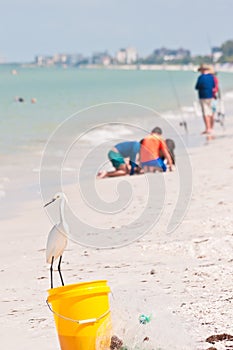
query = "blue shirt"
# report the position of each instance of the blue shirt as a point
(205, 84)
(129, 149)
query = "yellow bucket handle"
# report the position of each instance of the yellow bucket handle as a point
(90, 320)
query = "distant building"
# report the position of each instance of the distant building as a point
(41, 60)
(127, 56)
(74, 59)
(161, 52)
(60, 59)
(106, 60)
(121, 56)
(182, 53)
(131, 55)
(216, 53)
(102, 58)
(171, 55)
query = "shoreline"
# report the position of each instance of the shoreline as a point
(225, 67)
(228, 68)
(31, 157)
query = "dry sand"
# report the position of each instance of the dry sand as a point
(184, 280)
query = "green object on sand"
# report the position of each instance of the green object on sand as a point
(144, 319)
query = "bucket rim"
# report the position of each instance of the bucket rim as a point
(52, 291)
(79, 289)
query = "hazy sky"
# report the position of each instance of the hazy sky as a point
(31, 27)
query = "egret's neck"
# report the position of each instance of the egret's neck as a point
(62, 210)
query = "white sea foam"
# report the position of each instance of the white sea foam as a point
(188, 109)
(69, 169)
(197, 108)
(54, 168)
(97, 136)
(2, 194)
(170, 115)
(228, 95)
(3, 183)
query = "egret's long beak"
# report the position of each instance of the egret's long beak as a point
(50, 202)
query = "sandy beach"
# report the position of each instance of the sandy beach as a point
(182, 279)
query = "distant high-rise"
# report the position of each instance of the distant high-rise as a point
(121, 56)
(171, 54)
(131, 55)
(127, 56)
(216, 53)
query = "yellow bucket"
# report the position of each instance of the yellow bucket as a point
(82, 315)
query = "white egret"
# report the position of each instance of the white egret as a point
(57, 238)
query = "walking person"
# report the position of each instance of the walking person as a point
(205, 86)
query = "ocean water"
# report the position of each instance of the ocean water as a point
(115, 105)
(62, 92)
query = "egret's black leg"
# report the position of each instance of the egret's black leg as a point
(51, 272)
(59, 270)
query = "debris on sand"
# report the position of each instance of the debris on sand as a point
(116, 343)
(219, 337)
(146, 339)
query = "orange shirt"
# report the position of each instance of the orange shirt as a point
(150, 147)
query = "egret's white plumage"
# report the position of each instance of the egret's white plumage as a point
(57, 238)
(56, 243)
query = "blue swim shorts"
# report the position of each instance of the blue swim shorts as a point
(158, 163)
